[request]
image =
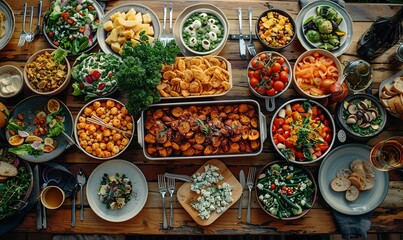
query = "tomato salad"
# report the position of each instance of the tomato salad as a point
(72, 24)
(269, 74)
(302, 132)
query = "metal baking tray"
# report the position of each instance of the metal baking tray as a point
(262, 129)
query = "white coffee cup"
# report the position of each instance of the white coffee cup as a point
(52, 197)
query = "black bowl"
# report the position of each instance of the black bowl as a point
(267, 44)
(363, 121)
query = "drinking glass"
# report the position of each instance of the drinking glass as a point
(388, 154)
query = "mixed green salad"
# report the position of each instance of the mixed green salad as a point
(72, 24)
(285, 190)
(115, 190)
(202, 32)
(94, 74)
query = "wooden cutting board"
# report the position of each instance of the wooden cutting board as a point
(185, 195)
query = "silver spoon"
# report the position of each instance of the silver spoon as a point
(30, 34)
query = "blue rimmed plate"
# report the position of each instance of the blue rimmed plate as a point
(346, 25)
(341, 157)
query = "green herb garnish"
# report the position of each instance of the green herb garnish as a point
(140, 74)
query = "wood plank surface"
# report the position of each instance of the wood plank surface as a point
(387, 218)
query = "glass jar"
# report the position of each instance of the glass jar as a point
(358, 75)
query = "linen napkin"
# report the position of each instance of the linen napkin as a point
(352, 226)
(302, 3)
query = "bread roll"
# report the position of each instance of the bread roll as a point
(357, 180)
(340, 184)
(344, 172)
(352, 193)
(369, 169)
(369, 183)
(7, 169)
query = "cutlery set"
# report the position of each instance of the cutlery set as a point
(165, 188)
(29, 36)
(41, 217)
(167, 37)
(249, 183)
(242, 46)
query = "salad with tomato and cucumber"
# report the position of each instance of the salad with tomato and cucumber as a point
(302, 131)
(72, 24)
(269, 74)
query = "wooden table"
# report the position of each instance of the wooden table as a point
(387, 218)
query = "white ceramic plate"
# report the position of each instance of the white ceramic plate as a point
(139, 195)
(310, 9)
(341, 157)
(9, 23)
(102, 34)
(177, 28)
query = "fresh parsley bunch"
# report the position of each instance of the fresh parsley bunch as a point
(140, 72)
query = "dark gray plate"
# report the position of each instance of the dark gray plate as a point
(27, 107)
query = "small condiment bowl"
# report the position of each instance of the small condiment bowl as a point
(10, 76)
(222, 20)
(27, 77)
(262, 36)
(321, 52)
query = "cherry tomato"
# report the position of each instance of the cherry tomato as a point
(287, 144)
(328, 138)
(285, 69)
(275, 77)
(254, 82)
(262, 56)
(261, 90)
(278, 122)
(280, 130)
(281, 60)
(251, 73)
(276, 67)
(273, 186)
(299, 155)
(286, 134)
(273, 129)
(270, 91)
(278, 85)
(257, 64)
(323, 146)
(284, 77)
(281, 138)
(284, 188)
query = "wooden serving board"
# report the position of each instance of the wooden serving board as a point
(185, 195)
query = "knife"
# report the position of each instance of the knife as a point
(242, 181)
(179, 177)
(242, 46)
(35, 191)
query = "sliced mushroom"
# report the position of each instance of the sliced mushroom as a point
(351, 119)
(375, 126)
(362, 105)
(359, 121)
(368, 116)
(352, 109)
(346, 104)
(365, 125)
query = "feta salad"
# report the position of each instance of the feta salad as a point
(285, 190)
(115, 190)
(94, 75)
(202, 32)
(212, 195)
(72, 24)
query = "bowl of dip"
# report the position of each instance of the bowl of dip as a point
(11, 81)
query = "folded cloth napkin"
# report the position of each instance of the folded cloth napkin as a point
(352, 226)
(302, 3)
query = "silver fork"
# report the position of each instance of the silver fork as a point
(250, 182)
(162, 187)
(170, 35)
(163, 37)
(251, 46)
(171, 189)
(23, 35)
(81, 179)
